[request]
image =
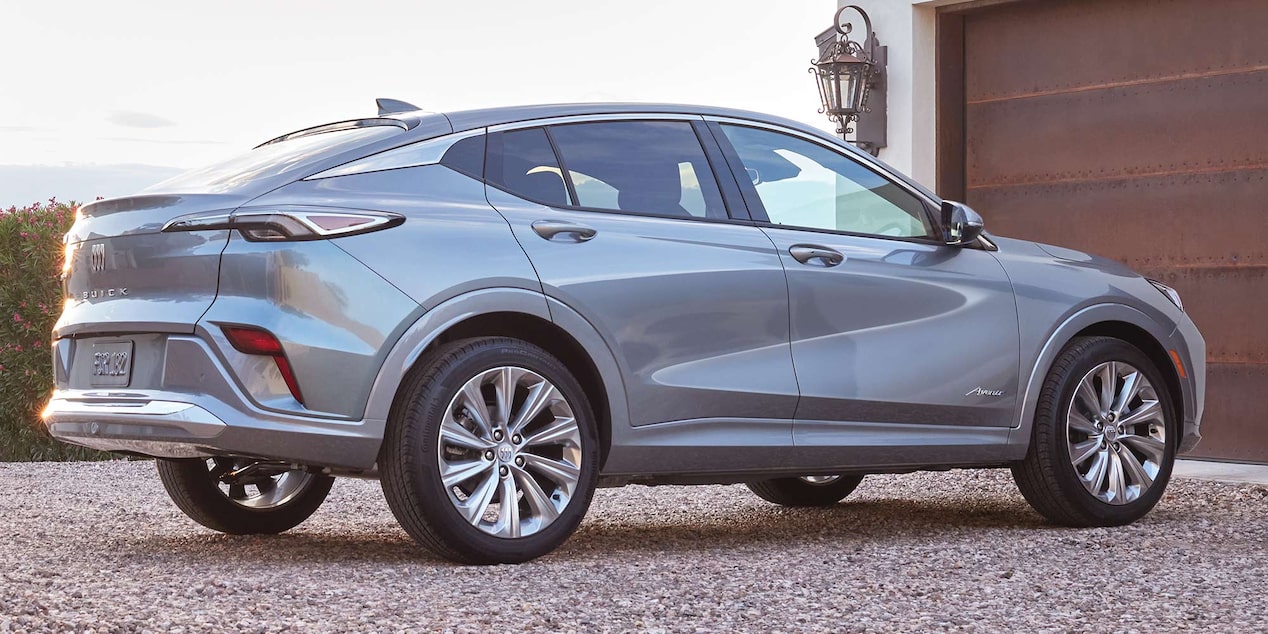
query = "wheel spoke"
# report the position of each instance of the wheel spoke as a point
(1132, 384)
(538, 502)
(540, 397)
(1134, 470)
(1117, 490)
(454, 434)
(1149, 410)
(1087, 396)
(504, 385)
(562, 431)
(1080, 423)
(473, 402)
(478, 502)
(1109, 384)
(1153, 448)
(452, 473)
(561, 472)
(1095, 477)
(1081, 452)
(508, 524)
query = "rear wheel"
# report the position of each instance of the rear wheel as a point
(243, 497)
(491, 454)
(1104, 437)
(806, 490)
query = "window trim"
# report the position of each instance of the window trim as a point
(546, 123)
(737, 169)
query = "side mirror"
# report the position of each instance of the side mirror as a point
(961, 223)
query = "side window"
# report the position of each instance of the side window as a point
(805, 184)
(466, 156)
(523, 163)
(655, 167)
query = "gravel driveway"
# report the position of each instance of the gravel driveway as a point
(98, 545)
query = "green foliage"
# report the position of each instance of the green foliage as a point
(30, 301)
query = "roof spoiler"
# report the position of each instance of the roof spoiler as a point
(393, 106)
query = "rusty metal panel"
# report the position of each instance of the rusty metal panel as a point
(1182, 126)
(1214, 219)
(1038, 47)
(1235, 426)
(1087, 125)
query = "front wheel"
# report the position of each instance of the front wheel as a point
(491, 453)
(1104, 437)
(243, 497)
(806, 490)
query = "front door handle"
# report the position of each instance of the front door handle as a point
(549, 229)
(807, 253)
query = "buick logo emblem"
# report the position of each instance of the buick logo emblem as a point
(505, 453)
(97, 260)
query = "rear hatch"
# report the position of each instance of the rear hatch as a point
(124, 274)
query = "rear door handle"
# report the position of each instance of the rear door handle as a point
(574, 232)
(807, 253)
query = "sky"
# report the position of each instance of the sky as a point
(106, 98)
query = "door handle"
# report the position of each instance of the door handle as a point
(805, 253)
(548, 229)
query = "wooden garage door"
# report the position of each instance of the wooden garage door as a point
(1138, 130)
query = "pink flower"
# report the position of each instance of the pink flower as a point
(17, 318)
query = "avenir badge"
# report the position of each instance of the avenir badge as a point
(981, 391)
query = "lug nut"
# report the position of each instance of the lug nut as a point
(497, 434)
(516, 439)
(519, 461)
(488, 455)
(503, 471)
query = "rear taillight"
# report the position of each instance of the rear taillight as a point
(261, 342)
(289, 224)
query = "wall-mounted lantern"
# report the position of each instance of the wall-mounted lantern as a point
(851, 78)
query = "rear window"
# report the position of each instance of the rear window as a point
(273, 159)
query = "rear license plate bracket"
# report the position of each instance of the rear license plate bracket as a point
(111, 364)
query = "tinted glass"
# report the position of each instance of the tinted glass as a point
(466, 156)
(655, 167)
(273, 159)
(805, 184)
(523, 163)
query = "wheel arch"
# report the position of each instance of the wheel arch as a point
(1146, 343)
(1111, 320)
(550, 337)
(515, 313)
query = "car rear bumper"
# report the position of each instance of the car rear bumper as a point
(194, 407)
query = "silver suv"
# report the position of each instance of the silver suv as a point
(496, 311)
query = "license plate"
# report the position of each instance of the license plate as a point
(111, 364)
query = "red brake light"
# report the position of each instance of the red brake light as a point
(262, 342)
(253, 341)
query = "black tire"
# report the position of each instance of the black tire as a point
(799, 492)
(1048, 479)
(196, 491)
(410, 462)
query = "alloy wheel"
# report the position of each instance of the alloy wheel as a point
(257, 485)
(1116, 432)
(509, 452)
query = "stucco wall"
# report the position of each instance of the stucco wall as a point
(907, 28)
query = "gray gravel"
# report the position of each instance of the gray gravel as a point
(98, 546)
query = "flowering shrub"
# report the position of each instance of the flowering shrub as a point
(30, 301)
